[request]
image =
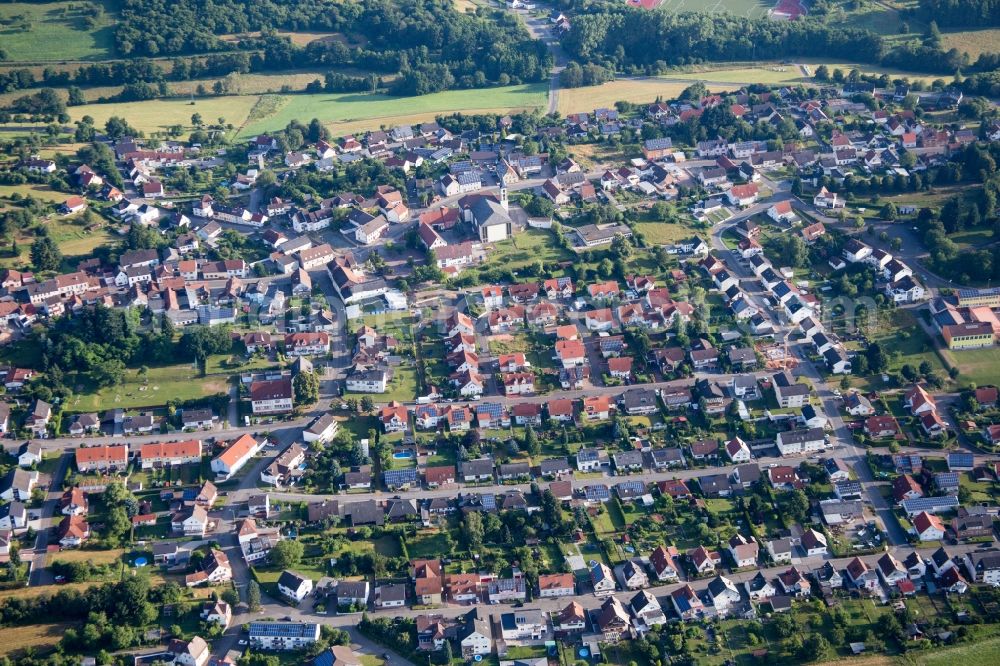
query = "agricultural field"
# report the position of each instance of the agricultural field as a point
(58, 27)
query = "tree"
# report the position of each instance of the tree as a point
(45, 254)
(877, 360)
(76, 97)
(306, 386)
(889, 212)
(531, 444)
(472, 530)
(253, 593)
(117, 524)
(797, 505)
(367, 404)
(286, 553)
(231, 597)
(196, 120)
(814, 648)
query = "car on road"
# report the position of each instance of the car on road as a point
(287, 618)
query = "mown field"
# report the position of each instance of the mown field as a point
(572, 100)
(37, 637)
(340, 110)
(748, 8)
(973, 42)
(172, 382)
(43, 31)
(979, 366)
(158, 115)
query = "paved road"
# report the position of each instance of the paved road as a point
(40, 574)
(841, 435)
(541, 29)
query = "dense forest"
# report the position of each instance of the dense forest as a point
(429, 43)
(644, 38)
(962, 13)
(636, 41)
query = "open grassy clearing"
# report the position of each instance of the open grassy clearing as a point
(36, 637)
(95, 557)
(980, 366)
(303, 38)
(573, 100)
(53, 31)
(375, 110)
(74, 240)
(532, 246)
(38, 191)
(748, 8)
(973, 42)
(158, 115)
(979, 653)
(171, 382)
(663, 233)
(243, 84)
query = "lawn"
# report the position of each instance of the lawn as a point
(36, 637)
(44, 31)
(171, 382)
(663, 233)
(534, 245)
(355, 110)
(979, 366)
(427, 543)
(403, 387)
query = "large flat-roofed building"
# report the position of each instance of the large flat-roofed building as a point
(976, 297)
(283, 635)
(973, 335)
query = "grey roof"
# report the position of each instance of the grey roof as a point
(553, 465)
(488, 212)
(291, 579)
(478, 467)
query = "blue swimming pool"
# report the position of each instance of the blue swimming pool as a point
(403, 455)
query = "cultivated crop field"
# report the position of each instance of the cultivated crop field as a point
(42, 31)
